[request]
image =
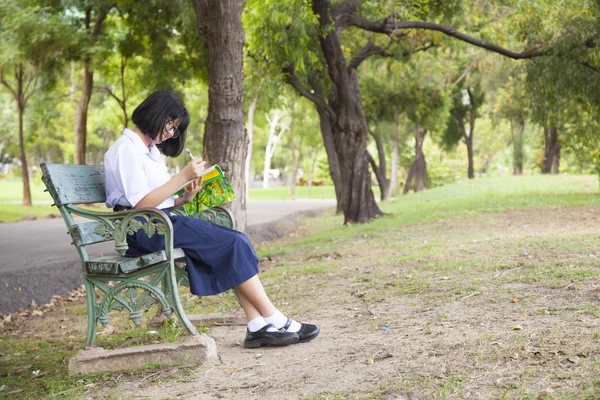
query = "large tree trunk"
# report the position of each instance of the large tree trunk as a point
(348, 126)
(250, 129)
(518, 127)
(551, 162)
(21, 110)
(395, 153)
(225, 139)
(418, 169)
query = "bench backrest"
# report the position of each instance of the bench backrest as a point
(74, 184)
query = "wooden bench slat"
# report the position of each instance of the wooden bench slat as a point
(75, 184)
(115, 265)
(83, 234)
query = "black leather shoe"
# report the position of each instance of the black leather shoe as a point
(264, 338)
(306, 333)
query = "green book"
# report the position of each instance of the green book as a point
(216, 190)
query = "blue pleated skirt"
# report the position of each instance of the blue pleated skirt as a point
(217, 258)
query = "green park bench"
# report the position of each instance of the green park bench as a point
(131, 283)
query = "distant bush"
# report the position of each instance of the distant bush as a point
(316, 182)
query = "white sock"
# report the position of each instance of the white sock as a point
(279, 320)
(258, 323)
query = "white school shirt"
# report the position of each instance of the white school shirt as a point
(133, 170)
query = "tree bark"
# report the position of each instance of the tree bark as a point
(21, 110)
(82, 111)
(381, 169)
(551, 162)
(348, 126)
(332, 157)
(395, 153)
(469, 144)
(518, 126)
(418, 169)
(225, 139)
(87, 87)
(467, 137)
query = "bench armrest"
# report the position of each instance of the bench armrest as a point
(117, 225)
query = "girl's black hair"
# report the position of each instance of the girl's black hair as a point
(152, 116)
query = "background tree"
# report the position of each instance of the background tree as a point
(225, 139)
(512, 103)
(309, 49)
(467, 103)
(277, 127)
(33, 41)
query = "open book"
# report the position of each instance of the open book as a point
(208, 175)
(216, 190)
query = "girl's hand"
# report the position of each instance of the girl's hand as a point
(194, 169)
(191, 190)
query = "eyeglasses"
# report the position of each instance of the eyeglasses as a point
(171, 129)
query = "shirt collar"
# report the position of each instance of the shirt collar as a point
(137, 141)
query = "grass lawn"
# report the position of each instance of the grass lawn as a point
(482, 289)
(11, 194)
(12, 190)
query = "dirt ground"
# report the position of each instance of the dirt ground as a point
(496, 306)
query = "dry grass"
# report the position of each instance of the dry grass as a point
(500, 305)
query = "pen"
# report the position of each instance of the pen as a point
(189, 153)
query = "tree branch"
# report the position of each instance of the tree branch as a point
(429, 44)
(369, 50)
(26, 95)
(588, 65)
(110, 93)
(293, 80)
(34, 79)
(341, 13)
(5, 83)
(99, 20)
(389, 27)
(467, 70)
(372, 162)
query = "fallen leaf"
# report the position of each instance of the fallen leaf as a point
(507, 382)
(369, 361)
(517, 328)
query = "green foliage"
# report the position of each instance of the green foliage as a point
(282, 33)
(33, 36)
(467, 103)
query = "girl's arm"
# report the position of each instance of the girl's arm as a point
(157, 196)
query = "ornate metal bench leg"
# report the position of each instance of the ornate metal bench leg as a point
(90, 294)
(176, 304)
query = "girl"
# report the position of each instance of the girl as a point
(217, 258)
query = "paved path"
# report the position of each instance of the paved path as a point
(37, 260)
